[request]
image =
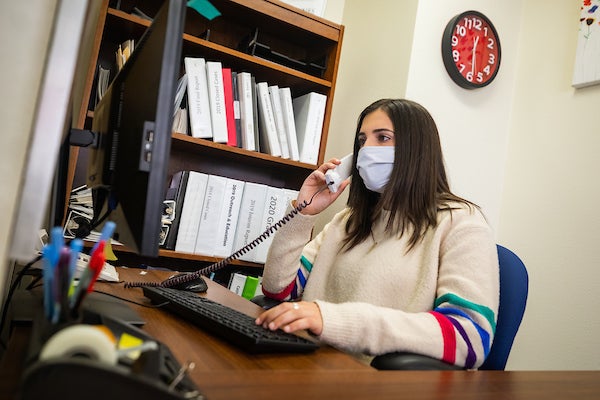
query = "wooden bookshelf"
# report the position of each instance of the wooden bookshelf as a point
(286, 29)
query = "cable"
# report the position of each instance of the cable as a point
(170, 282)
(132, 301)
(11, 291)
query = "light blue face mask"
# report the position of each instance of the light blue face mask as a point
(375, 164)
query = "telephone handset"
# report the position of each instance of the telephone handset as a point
(334, 177)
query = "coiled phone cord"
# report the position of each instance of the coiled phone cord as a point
(174, 281)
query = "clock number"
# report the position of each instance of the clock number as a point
(455, 55)
(479, 77)
(454, 41)
(490, 44)
(487, 70)
(473, 23)
(469, 76)
(461, 30)
(492, 59)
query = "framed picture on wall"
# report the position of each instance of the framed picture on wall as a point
(587, 57)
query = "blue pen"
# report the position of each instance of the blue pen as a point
(106, 234)
(51, 255)
(57, 240)
(48, 274)
(76, 247)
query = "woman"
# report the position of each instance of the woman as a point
(406, 266)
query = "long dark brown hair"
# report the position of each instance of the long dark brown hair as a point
(418, 188)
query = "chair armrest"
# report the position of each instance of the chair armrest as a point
(264, 301)
(409, 361)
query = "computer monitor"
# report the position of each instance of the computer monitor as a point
(132, 123)
(72, 31)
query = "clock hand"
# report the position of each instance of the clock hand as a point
(473, 55)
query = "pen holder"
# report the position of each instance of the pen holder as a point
(155, 373)
(42, 330)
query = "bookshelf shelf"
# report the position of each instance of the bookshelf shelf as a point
(285, 30)
(202, 145)
(172, 257)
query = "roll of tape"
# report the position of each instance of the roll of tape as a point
(85, 341)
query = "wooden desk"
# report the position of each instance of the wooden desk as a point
(400, 385)
(224, 372)
(186, 341)
(209, 353)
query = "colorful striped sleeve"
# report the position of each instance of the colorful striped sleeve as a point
(456, 317)
(296, 287)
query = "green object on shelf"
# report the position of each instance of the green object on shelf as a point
(204, 8)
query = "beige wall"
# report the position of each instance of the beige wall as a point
(374, 64)
(552, 191)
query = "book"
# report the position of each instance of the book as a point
(180, 93)
(287, 109)
(244, 81)
(103, 81)
(258, 291)
(237, 115)
(180, 121)
(309, 112)
(216, 99)
(123, 52)
(278, 117)
(229, 107)
(197, 94)
(191, 212)
(274, 209)
(250, 218)
(255, 112)
(269, 141)
(228, 219)
(206, 237)
(237, 281)
(250, 286)
(176, 194)
(289, 196)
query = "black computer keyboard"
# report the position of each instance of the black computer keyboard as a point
(229, 324)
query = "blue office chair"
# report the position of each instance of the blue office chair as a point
(514, 286)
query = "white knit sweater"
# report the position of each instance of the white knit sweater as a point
(439, 299)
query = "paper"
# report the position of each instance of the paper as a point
(316, 7)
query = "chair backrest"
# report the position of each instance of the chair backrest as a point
(514, 287)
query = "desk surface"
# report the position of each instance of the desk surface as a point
(399, 385)
(224, 372)
(209, 353)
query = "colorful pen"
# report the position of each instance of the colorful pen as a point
(61, 284)
(50, 256)
(88, 277)
(96, 264)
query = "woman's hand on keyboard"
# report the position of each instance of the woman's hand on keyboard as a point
(292, 317)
